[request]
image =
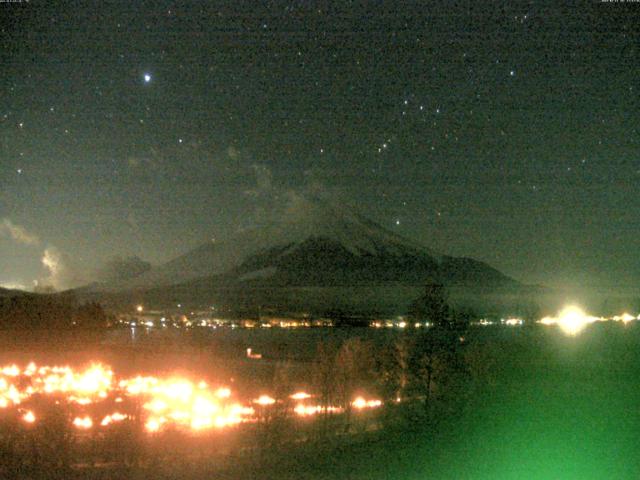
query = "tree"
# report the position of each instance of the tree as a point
(276, 418)
(394, 376)
(432, 307)
(324, 370)
(436, 362)
(393, 366)
(431, 358)
(354, 366)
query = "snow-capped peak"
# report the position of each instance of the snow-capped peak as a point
(302, 219)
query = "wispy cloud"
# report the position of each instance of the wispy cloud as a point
(13, 286)
(18, 233)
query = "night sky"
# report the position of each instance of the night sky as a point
(504, 132)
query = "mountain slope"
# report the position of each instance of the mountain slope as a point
(321, 261)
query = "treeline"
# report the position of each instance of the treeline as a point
(421, 376)
(57, 312)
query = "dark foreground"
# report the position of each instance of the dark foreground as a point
(544, 406)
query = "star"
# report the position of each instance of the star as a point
(147, 78)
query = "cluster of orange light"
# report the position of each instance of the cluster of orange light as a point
(184, 403)
(165, 401)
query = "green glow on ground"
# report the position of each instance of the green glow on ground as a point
(567, 409)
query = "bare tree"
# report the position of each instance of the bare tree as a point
(394, 369)
(354, 372)
(324, 371)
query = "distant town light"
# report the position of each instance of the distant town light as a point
(512, 322)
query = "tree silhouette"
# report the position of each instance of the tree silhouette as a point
(432, 306)
(354, 366)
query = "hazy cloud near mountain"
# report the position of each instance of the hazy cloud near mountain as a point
(62, 273)
(274, 202)
(119, 269)
(18, 233)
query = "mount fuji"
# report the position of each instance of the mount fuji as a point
(313, 246)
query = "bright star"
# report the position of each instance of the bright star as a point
(147, 78)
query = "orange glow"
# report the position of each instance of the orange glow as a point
(11, 371)
(265, 400)
(83, 423)
(114, 417)
(223, 393)
(300, 396)
(177, 401)
(307, 410)
(29, 417)
(360, 403)
(153, 425)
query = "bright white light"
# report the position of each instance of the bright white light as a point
(572, 320)
(147, 78)
(512, 322)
